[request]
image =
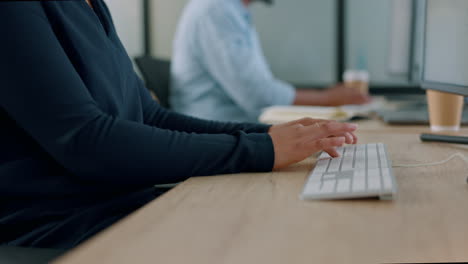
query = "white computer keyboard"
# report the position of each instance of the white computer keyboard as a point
(360, 171)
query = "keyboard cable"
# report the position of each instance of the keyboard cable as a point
(458, 154)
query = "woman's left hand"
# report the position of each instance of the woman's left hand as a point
(351, 138)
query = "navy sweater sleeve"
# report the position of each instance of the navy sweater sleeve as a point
(160, 117)
(42, 92)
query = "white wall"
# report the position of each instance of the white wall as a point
(127, 16)
(165, 15)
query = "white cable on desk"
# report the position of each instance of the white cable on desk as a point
(458, 154)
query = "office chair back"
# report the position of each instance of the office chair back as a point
(157, 76)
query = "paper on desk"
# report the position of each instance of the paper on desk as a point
(281, 114)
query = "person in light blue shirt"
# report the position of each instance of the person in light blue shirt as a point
(219, 71)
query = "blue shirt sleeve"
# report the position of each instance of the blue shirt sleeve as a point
(43, 93)
(229, 50)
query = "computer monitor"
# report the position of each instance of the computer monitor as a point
(445, 58)
(445, 62)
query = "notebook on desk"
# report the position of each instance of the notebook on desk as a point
(281, 114)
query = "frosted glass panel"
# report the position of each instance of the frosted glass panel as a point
(369, 39)
(299, 39)
(447, 42)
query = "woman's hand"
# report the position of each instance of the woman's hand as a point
(297, 140)
(350, 137)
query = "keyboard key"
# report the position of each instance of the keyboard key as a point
(373, 163)
(350, 149)
(359, 181)
(348, 159)
(324, 155)
(312, 187)
(343, 185)
(321, 165)
(316, 176)
(372, 149)
(336, 162)
(360, 159)
(373, 179)
(328, 187)
(372, 158)
(329, 177)
(383, 156)
(387, 180)
(347, 164)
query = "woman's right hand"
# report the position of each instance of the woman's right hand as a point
(296, 141)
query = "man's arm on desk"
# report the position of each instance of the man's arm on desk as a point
(334, 96)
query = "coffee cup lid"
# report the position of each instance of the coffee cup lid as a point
(350, 75)
(362, 76)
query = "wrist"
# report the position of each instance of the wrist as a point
(270, 128)
(323, 97)
(311, 97)
(264, 159)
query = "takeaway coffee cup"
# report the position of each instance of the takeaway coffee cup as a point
(357, 79)
(445, 110)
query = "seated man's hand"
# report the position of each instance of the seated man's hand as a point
(341, 95)
(297, 140)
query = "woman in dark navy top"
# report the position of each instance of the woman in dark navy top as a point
(82, 142)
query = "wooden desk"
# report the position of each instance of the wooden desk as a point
(259, 218)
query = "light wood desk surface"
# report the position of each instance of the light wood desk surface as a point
(259, 218)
